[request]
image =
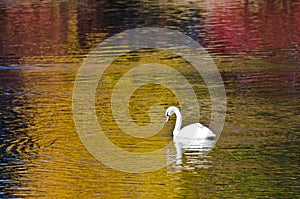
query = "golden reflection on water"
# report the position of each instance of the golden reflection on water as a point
(62, 166)
(255, 147)
(143, 99)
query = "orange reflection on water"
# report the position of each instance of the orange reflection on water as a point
(38, 30)
(34, 29)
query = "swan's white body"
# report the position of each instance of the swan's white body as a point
(190, 136)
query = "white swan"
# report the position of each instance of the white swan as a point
(193, 139)
(196, 130)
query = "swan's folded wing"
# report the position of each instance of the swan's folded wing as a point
(196, 131)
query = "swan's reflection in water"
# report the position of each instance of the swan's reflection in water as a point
(191, 142)
(190, 153)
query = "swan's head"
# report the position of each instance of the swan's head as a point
(170, 111)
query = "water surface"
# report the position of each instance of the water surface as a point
(255, 46)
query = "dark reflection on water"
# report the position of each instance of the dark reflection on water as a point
(256, 47)
(268, 83)
(16, 145)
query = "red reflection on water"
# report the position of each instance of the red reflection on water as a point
(259, 27)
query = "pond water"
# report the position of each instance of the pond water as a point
(254, 44)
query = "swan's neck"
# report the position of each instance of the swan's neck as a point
(178, 123)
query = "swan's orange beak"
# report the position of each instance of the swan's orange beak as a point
(167, 119)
